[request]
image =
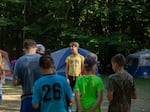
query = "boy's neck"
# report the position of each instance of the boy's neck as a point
(120, 69)
(89, 72)
(75, 54)
(48, 71)
(30, 51)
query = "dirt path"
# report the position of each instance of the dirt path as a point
(11, 97)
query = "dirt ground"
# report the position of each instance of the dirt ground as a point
(11, 97)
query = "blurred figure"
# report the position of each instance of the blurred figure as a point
(40, 49)
(26, 72)
(90, 55)
(121, 87)
(2, 77)
(13, 62)
(89, 89)
(74, 64)
(51, 90)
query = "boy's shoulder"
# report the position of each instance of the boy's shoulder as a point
(113, 76)
(81, 55)
(71, 56)
(48, 78)
(91, 76)
(119, 75)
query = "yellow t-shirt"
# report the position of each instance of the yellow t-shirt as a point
(75, 64)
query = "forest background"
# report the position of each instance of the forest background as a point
(105, 27)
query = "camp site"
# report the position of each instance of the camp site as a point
(11, 98)
(103, 27)
(12, 95)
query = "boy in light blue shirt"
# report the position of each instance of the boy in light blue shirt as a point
(51, 91)
(26, 72)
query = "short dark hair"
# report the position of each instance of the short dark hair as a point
(28, 43)
(119, 59)
(46, 62)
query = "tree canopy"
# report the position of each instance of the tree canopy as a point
(105, 27)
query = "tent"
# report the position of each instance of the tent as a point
(6, 63)
(139, 64)
(59, 58)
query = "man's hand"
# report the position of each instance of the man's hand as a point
(68, 80)
(15, 82)
(3, 77)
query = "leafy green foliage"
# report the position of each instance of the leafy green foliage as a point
(105, 27)
(5, 22)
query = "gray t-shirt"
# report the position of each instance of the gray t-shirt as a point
(27, 71)
(122, 84)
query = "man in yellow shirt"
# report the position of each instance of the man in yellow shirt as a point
(74, 64)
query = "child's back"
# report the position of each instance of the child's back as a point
(121, 87)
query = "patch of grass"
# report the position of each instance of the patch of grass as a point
(141, 104)
(8, 88)
(143, 88)
(11, 97)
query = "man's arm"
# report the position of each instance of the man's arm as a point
(77, 97)
(133, 90)
(71, 100)
(98, 102)
(110, 95)
(110, 89)
(15, 82)
(134, 94)
(3, 76)
(82, 64)
(67, 70)
(35, 106)
(36, 96)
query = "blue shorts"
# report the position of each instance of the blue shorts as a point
(0, 98)
(26, 105)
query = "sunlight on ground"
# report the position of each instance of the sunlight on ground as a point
(11, 97)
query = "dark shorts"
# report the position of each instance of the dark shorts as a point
(26, 105)
(72, 80)
(118, 108)
(0, 98)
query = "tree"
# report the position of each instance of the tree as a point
(105, 27)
